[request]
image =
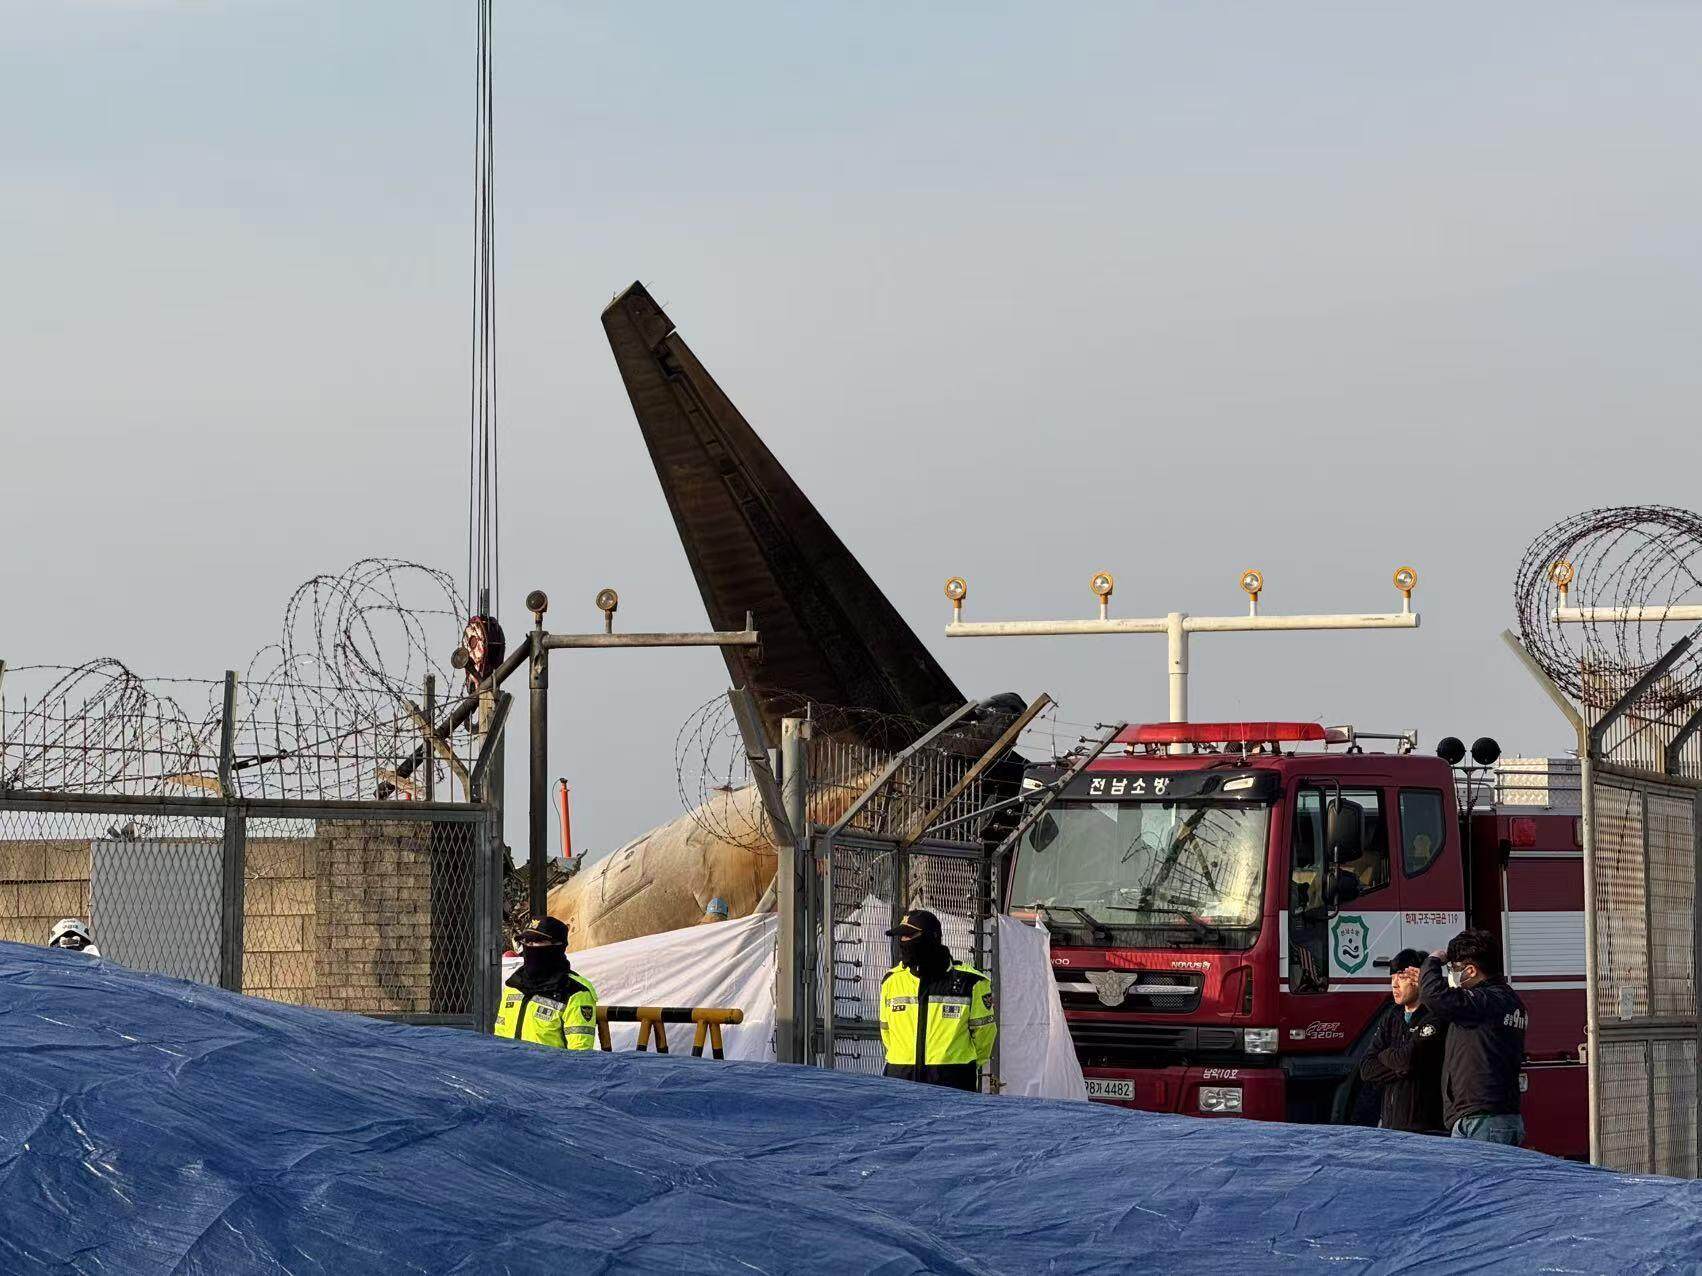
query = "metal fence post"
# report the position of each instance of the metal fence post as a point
(430, 725)
(538, 768)
(232, 910)
(484, 854)
(791, 1004)
(1592, 960)
(227, 737)
(233, 856)
(488, 879)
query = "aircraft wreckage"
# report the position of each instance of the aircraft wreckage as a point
(758, 549)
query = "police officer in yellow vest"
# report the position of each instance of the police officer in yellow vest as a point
(544, 1001)
(937, 1021)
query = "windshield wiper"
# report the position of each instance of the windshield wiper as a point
(1207, 933)
(1098, 929)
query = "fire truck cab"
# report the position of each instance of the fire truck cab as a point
(1224, 902)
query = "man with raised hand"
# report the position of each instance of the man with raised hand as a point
(1405, 1055)
(1465, 987)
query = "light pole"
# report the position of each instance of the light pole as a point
(1177, 626)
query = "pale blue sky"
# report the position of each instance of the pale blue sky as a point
(1017, 291)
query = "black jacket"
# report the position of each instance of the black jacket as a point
(1405, 1059)
(1486, 1043)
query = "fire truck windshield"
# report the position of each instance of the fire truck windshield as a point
(1148, 865)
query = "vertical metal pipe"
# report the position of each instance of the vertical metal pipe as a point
(1592, 1029)
(232, 910)
(227, 735)
(494, 867)
(789, 1004)
(829, 967)
(1176, 631)
(429, 729)
(538, 810)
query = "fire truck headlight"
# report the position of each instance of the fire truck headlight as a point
(1220, 1098)
(1260, 1040)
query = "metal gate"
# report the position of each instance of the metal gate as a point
(872, 883)
(876, 834)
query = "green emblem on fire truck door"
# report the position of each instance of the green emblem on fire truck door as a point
(1352, 943)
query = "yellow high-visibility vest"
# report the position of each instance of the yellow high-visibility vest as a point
(956, 1026)
(563, 1015)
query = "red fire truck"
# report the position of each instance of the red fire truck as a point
(1224, 902)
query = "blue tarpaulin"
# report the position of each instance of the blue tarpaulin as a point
(151, 1125)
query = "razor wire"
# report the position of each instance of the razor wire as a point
(322, 712)
(1647, 556)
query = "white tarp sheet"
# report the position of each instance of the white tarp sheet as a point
(717, 964)
(1036, 1057)
(732, 964)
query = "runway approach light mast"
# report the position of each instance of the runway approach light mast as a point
(1177, 625)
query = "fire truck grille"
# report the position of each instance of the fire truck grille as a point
(1147, 991)
(1117, 1040)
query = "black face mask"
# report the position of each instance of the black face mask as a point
(542, 960)
(919, 951)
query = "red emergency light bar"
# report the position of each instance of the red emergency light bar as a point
(1231, 733)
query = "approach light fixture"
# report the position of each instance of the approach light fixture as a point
(1562, 573)
(1451, 749)
(957, 589)
(538, 602)
(1253, 581)
(608, 602)
(1103, 585)
(1406, 580)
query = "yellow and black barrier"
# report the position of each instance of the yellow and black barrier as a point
(709, 1021)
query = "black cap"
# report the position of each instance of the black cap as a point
(918, 921)
(1406, 959)
(550, 929)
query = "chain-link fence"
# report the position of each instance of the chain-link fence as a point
(380, 908)
(1645, 843)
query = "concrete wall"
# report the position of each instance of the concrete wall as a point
(343, 919)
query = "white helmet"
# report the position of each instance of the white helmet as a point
(70, 928)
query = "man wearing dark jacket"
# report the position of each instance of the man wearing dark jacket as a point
(1405, 1055)
(1486, 1038)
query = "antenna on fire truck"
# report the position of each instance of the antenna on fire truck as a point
(1177, 626)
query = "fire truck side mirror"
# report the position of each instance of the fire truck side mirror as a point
(1045, 832)
(1344, 830)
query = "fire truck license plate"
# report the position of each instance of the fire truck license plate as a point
(1102, 1088)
